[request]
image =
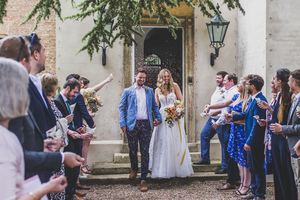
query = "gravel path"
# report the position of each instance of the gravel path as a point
(167, 190)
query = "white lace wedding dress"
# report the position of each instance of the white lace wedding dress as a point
(169, 155)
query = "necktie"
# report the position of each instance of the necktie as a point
(68, 106)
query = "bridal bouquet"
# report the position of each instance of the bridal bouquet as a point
(173, 112)
(94, 103)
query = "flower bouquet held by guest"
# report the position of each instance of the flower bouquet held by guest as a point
(14, 85)
(169, 153)
(93, 102)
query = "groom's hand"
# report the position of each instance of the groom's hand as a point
(124, 129)
(156, 123)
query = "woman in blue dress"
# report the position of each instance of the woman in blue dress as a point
(285, 187)
(237, 137)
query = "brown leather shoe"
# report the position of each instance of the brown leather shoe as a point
(77, 197)
(81, 194)
(144, 187)
(227, 186)
(132, 175)
(82, 187)
(236, 182)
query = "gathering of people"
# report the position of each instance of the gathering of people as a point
(43, 135)
(46, 132)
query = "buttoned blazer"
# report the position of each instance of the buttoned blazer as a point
(254, 133)
(292, 129)
(128, 107)
(44, 116)
(31, 139)
(81, 112)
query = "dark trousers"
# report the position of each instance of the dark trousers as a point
(207, 134)
(140, 134)
(255, 159)
(72, 174)
(232, 168)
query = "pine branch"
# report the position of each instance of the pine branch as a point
(3, 12)
(127, 15)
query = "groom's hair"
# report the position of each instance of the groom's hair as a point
(140, 70)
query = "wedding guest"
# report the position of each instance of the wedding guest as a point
(39, 106)
(87, 92)
(81, 114)
(26, 129)
(50, 86)
(292, 129)
(136, 121)
(236, 143)
(14, 84)
(62, 101)
(285, 187)
(230, 83)
(164, 149)
(208, 132)
(254, 135)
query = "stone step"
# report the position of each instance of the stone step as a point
(109, 179)
(124, 157)
(124, 168)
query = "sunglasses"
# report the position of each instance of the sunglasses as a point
(23, 42)
(33, 36)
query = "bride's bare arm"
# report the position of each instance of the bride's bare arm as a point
(178, 92)
(156, 96)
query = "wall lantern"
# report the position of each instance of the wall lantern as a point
(217, 28)
(108, 28)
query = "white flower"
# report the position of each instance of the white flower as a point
(257, 100)
(178, 110)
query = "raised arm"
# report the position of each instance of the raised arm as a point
(100, 85)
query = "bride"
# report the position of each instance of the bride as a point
(168, 152)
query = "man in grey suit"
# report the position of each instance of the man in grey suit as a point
(292, 130)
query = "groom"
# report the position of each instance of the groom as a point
(136, 121)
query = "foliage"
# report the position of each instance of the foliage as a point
(127, 15)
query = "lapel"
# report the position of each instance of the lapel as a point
(291, 113)
(37, 94)
(133, 93)
(34, 122)
(62, 102)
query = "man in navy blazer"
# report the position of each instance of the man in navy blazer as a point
(39, 105)
(136, 121)
(254, 135)
(26, 128)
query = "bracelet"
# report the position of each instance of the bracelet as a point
(33, 196)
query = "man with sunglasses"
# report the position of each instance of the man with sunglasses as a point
(39, 106)
(26, 128)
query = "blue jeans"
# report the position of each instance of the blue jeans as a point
(208, 132)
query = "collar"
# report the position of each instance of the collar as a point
(297, 96)
(232, 88)
(254, 96)
(136, 87)
(63, 96)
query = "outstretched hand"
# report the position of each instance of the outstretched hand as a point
(263, 105)
(229, 117)
(262, 122)
(72, 159)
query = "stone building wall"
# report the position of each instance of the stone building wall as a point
(16, 12)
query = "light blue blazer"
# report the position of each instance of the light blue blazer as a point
(128, 107)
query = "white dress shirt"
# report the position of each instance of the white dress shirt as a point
(216, 97)
(141, 113)
(228, 96)
(37, 83)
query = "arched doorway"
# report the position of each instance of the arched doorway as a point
(158, 50)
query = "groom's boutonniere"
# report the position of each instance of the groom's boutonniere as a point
(147, 89)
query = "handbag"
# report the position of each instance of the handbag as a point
(59, 131)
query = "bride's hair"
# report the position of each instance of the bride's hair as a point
(161, 83)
